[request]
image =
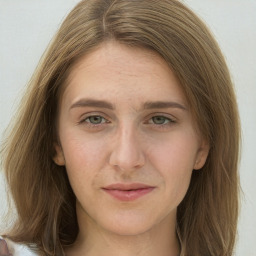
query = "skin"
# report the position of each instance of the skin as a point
(128, 140)
(4, 248)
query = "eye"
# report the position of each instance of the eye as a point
(160, 120)
(95, 120)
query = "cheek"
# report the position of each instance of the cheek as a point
(174, 159)
(80, 149)
(176, 153)
(83, 158)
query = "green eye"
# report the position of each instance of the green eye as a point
(160, 120)
(95, 119)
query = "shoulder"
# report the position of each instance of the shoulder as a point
(9, 248)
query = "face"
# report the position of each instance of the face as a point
(127, 139)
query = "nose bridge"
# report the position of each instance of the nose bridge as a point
(127, 150)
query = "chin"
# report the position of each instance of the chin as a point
(129, 230)
(129, 225)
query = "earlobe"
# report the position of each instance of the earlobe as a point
(59, 158)
(202, 155)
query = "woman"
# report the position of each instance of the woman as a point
(127, 140)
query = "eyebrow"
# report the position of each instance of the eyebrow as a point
(147, 105)
(92, 103)
(163, 104)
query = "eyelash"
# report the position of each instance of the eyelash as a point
(167, 121)
(89, 123)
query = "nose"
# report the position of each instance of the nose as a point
(127, 153)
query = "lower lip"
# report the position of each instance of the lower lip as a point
(128, 195)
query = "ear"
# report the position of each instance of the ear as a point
(59, 158)
(202, 154)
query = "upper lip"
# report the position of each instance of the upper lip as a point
(123, 186)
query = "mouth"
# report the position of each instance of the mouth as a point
(128, 192)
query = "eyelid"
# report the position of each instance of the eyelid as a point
(85, 116)
(166, 126)
(107, 120)
(92, 113)
(164, 115)
(102, 119)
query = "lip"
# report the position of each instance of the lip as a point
(128, 192)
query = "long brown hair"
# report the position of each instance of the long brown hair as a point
(46, 215)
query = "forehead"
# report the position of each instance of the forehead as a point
(123, 72)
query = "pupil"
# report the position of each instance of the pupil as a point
(158, 120)
(95, 119)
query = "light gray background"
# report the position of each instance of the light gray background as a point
(26, 27)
